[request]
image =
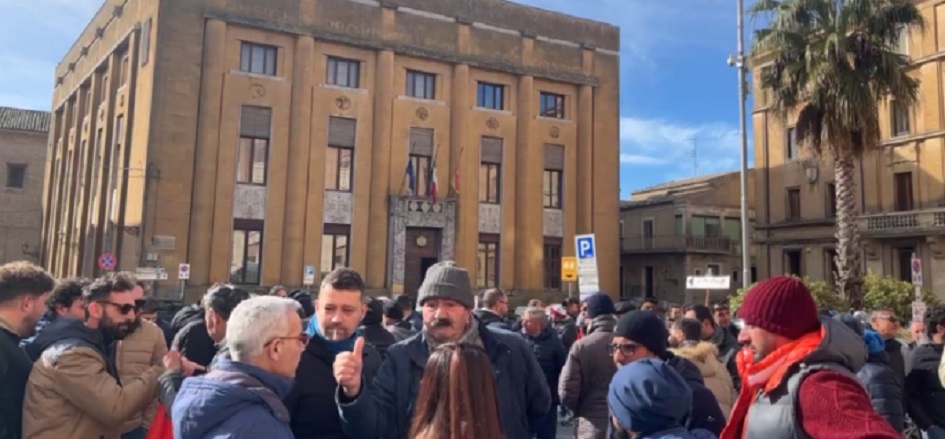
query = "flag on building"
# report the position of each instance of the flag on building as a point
(459, 165)
(431, 179)
(411, 178)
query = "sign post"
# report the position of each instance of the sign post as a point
(918, 306)
(569, 271)
(708, 283)
(588, 280)
(308, 275)
(183, 274)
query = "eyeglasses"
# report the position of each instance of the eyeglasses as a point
(302, 338)
(892, 319)
(626, 348)
(124, 308)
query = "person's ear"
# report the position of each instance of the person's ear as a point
(95, 310)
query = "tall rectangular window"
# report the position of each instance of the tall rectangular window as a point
(791, 151)
(680, 226)
(551, 105)
(421, 84)
(124, 71)
(343, 72)
(420, 156)
(115, 165)
(335, 247)
(246, 254)
(793, 203)
(145, 52)
(553, 180)
(487, 273)
(258, 58)
(490, 95)
(490, 171)
(16, 175)
(830, 266)
(831, 195)
(904, 263)
(252, 162)
(792, 262)
(902, 186)
(902, 41)
(339, 160)
(899, 118)
(552, 259)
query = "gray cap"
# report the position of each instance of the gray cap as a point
(446, 280)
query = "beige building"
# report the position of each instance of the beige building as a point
(253, 138)
(23, 137)
(901, 193)
(688, 227)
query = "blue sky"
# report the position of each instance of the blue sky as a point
(675, 83)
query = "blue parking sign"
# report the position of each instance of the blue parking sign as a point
(585, 247)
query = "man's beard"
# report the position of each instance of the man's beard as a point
(115, 331)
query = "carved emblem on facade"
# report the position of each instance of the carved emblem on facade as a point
(343, 102)
(422, 113)
(554, 132)
(492, 123)
(421, 241)
(257, 91)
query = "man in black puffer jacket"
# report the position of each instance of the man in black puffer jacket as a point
(495, 305)
(924, 393)
(550, 353)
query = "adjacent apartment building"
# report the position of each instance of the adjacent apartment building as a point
(683, 228)
(901, 193)
(23, 136)
(254, 139)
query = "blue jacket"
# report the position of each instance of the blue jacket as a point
(550, 353)
(234, 401)
(680, 433)
(886, 392)
(384, 409)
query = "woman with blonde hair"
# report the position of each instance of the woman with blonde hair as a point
(457, 397)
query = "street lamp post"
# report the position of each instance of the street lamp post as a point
(739, 63)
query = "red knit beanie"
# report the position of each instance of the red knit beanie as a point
(781, 305)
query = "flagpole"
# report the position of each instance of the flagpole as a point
(404, 181)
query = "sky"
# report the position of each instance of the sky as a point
(677, 93)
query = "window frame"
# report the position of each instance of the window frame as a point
(336, 187)
(551, 262)
(791, 149)
(421, 171)
(900, 119)
(429, 84)
(713, 267)
(18, 167)
(487, 242)
(789, 211)
(333, 232)
(483, 89)
(247, 226)
(331, 71)
(830, 193)
(898, 197)
(490, 168)
(785, 261)
(252, 160)
(551, 105)
(555, 199)
(246, 58)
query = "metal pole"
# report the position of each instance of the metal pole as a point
(742, 101)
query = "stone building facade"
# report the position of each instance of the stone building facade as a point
(252, 138)
(23, 135)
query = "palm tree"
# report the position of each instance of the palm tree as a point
(831, 63)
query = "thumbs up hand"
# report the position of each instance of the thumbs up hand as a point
(347, 369)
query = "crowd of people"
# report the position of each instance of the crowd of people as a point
(92, 359)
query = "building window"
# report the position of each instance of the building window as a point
(902, 42)
(792, 262)
(902, 186)
(16, 176)
(145, 42)
(258, 58)
(791, 150)
(489, 183)
(421, 84)
(490, 96)
(487, 273)
(253, 159)
(246, 257)
(830, 266)
(344, 72)
(648, 228)
(831, 200)
(900, 118)
(339, 166)
(649, 281)
(793, 204)
(679, 225)
(335, 247)
(552, 105)
(552, 189)
(125, 71)
(904, 263)
(713, 269)
(552, 253)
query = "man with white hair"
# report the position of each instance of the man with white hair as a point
(550, 353)
(242, 396)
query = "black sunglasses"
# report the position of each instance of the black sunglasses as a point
(124, 308)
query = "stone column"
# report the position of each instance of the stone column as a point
(380, 169)
(464, 154)
(585, 164)
(529, 214)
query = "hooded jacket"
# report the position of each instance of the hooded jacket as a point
(714, 375)
(490, 319)
(401, 330)
(15, 368)
(586, 377)
(234, 401)
(373, 330)
(74, 389)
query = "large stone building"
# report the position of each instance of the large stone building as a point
(683, 228)
(23, 136)
(901, 195)
(252, 138)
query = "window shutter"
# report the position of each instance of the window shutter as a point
(421, 141)
(255, 122)
(554, 157)
(341, 131)
(491, 150)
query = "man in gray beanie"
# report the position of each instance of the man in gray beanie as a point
(382, 408)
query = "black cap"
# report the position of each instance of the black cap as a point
(645, 328)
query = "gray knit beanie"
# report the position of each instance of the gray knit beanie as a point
(446, 280)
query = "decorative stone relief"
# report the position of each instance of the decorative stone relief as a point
(257, 91)
(249, 202)
(422, 113)
(492, 123)
(343, 102)
(554, 132)
(337, 208)
(418, 212)
(553, 224)
(490, 218)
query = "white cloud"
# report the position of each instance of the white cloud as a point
(637, 159)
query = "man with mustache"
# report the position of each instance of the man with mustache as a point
(383, 407)
(74, 389)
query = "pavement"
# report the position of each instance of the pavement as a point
(565, 431)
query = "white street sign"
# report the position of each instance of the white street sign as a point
(918, 311)
(916, 271)
(708, 282)
(150, 274)
(183, 272)
(308, 275)
(588, 280)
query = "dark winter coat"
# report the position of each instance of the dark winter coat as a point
(373, 330)
(897, 360)
(186, 315)
(195, 344)
(401, 331)
(568, 332)
(884, 389)
(550, 353)
(586, 377)
(706, 413)
(492, 320)
(728, 348)
(15, 367)
(925, 396)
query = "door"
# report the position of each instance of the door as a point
(422, 250)
(647, 234)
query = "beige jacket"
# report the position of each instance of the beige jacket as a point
(138, 352)
(717, 379)
(70, 394)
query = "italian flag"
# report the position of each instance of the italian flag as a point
(432, 178)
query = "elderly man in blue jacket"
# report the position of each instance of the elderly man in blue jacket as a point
(384, 408)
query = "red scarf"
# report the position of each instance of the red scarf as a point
(765, 375)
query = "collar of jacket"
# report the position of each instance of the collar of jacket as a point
(9, 328)
(418, 351)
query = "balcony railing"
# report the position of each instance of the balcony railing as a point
(913, 222)
(680, 243)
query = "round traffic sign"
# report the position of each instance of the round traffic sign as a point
(107, 261)
(916, 266)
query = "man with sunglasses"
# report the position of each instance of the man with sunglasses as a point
(75, 389)
(885, 322)
(241, 398)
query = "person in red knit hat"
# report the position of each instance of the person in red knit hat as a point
(800, 381)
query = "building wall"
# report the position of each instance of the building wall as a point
(920, 151)
(188, 113)
(21, 208)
